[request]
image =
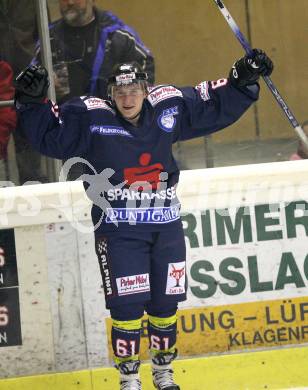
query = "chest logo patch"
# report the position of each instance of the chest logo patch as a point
(166, 121)
(146, 176)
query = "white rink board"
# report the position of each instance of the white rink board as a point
(37, 350)
(67, 332)
(263, 259)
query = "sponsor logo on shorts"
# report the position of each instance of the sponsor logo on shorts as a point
(133, 284)
(102, 252)
(176, 278)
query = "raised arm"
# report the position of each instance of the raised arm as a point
(39, 119)
(214, 105)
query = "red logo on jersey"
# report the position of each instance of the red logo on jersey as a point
(146, 176)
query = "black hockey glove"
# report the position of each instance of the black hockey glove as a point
(248, 69)
(31, 85)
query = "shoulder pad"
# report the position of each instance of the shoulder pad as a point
(162, 92)
(86, 103)
(95, 103)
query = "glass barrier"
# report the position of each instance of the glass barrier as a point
(263, 135)
(21, 26)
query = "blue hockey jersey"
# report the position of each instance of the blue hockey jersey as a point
(130, 174)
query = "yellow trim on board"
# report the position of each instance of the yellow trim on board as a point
(275, 369)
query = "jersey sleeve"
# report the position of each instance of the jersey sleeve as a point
(212, 106)
(56, 133)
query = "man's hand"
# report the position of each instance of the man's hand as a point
(31, 85)
(248, 69)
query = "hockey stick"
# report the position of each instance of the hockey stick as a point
(245, 44)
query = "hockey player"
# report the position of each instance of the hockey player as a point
(138, 232)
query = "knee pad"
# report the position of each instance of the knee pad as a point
(125, 332)
(162, 334)
(125, 337)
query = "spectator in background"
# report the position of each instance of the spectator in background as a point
(7, 114)
(86, 43)
(301, 153)
(18, 35)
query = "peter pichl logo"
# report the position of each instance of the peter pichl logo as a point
(133, 284)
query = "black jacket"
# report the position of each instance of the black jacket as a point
(90, 52)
